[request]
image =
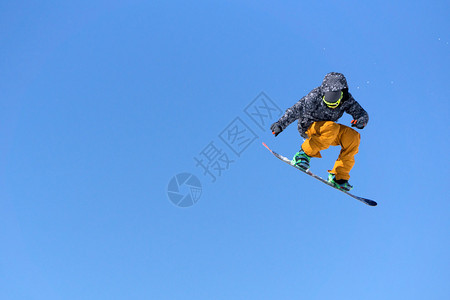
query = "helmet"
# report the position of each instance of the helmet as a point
(333, 99)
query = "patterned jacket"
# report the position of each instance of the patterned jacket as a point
(311, 108)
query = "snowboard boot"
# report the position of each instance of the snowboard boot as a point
(340, 184)
(301, 160)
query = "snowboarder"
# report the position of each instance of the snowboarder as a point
(317, 113)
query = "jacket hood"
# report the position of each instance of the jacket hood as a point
(333, 82)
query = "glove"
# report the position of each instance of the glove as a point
(358, 124)
(276, 129)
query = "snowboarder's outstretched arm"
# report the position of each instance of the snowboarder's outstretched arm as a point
(360, 116)
(299, 109)
(291, 114)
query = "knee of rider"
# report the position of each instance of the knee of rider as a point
(352, 138)
(356, 139)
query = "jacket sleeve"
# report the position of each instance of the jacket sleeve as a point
(293, 113)
(301, 109)
(356, 111)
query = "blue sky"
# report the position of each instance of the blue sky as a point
(103, 102)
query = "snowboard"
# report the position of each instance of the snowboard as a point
(308, 172)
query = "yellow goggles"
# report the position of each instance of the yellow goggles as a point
(333, 104)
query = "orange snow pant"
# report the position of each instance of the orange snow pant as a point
(324, 134)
